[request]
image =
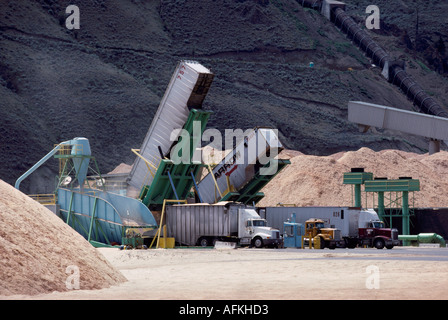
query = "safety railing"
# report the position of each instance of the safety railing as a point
(44, 199)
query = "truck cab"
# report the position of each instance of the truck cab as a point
(329, 237)
(373, 233)
(254, 231)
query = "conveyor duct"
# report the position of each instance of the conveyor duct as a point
(372, 115)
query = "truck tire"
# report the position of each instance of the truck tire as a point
(322, 243)
(258, 242)
(378, 243)
(204, 242)
(350, 243)
(389, 247)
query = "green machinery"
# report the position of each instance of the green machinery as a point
(424, 238)
(250, 193)
(397, 189)
(401, 187)
(357, 177)
(169, 170)
(174, 178)
(103, 218)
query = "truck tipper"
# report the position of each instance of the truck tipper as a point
(187, 89)
(357, 226)
(244, 170)
(203, 224)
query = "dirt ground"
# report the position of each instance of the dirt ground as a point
(272, 274)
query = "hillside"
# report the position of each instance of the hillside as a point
(105, 80)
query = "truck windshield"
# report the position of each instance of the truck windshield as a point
(319, 225)
(377, 224)
(259, 223)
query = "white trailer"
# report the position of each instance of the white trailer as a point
(258, 148)
(187, 89)
(203, 224)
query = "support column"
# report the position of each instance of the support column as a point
(381, 211)
(405, 214)
(434, 146)
(358, 195)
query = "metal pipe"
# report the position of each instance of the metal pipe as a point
(39, 163)
(408, 237)
(379, 56)
(172, 186)
(196, 187)
(424, 238)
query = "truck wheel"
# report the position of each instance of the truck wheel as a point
(378, 243)
(204, 242)
(389, 247)
(322, 243)
(258, 242)
(350, 244)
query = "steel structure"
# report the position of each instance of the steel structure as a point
(372, 115)
(357, 177)
(398, 191)
(174, 178)
(101, 217)
(187, 89)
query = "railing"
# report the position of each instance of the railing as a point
(44, 199)
(66, 149)
(65, 152)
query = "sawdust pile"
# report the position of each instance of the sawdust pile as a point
(121, 168)
(317, 181)
(37, 247)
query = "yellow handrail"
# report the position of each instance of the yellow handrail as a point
(44, 199)
(157, 235)
(213, 176)
(148, 163)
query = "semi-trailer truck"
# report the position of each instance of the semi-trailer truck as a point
(203, 224)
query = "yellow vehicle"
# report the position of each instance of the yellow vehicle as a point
(327, 237)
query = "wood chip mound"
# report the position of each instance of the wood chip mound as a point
(40, 253)
(317, 180)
